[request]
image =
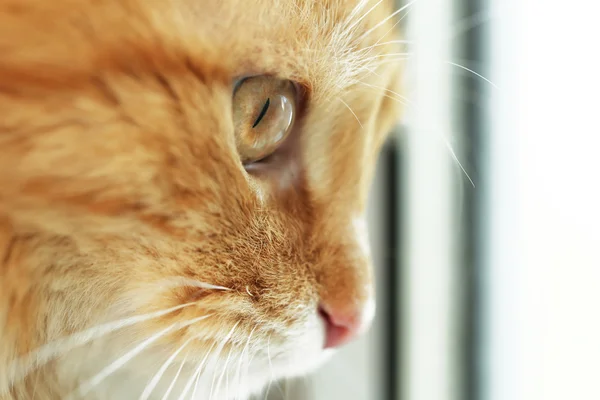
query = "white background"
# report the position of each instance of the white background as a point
(543, 320)
(541, 287)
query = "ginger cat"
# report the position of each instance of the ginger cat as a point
(182, 191)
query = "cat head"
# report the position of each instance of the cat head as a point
(182, 190)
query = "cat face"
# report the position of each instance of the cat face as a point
(182, 191)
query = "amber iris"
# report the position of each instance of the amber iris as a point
(264, 110)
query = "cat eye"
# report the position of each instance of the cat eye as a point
(264, 110)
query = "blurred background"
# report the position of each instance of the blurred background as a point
(485, 213)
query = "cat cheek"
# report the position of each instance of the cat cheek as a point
(362, 237)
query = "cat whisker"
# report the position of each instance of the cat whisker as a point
(397, 99)
(88, 385)
(226, 385)
(394, 26)
(377, 44)
(353, 113)
(246, 375)
(223, 373)
(237, 377)
(191, 381)
(196, 375)
(381, 59)
(474, 73)
(455, 158)
(389, 91)
(156, 378)
(239, 370)
(396, 60)
(401, 101)
(353, 25)
(388, 32)
(391, 55)
(357, 9)
(172, 385)
(405, 101)
(270, 366)
(392, 15)
(202, 363)
(47, 352)
(280, 388)
(175, 282)
(220, 349)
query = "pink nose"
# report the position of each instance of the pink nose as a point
(340, 326)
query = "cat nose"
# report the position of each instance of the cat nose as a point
(342, 325)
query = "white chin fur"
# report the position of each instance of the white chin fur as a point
(223, 377)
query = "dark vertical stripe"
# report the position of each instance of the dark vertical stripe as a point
(471, 51)
(392, 337)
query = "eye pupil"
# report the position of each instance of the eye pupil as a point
(264, 109)
(262, 113)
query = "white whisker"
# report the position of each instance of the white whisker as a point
(348, 29)
(405, 99)
(172, 385)
(388, 55)
(227, 386)
(51, 350)
(156, 378)
(239, 371)
(204, 361)
(395, 60)
(392, 15)
(377, 44)
(199, 372)
(447, 144)
(454, 156)
(198, 375)
(88, 385)
(357, 9)
(224, 372)
(397, 99)
(270, 367)
(474, 73)
(381, 59)
(220, 349)
(174, 282)
(394, 26)
(353, 113)
(388, 32)
(193, 378)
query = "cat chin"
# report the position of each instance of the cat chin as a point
(223, 377)
(222, 380)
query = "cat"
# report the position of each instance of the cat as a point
(182, 191)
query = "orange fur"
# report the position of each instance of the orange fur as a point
(121, 188)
